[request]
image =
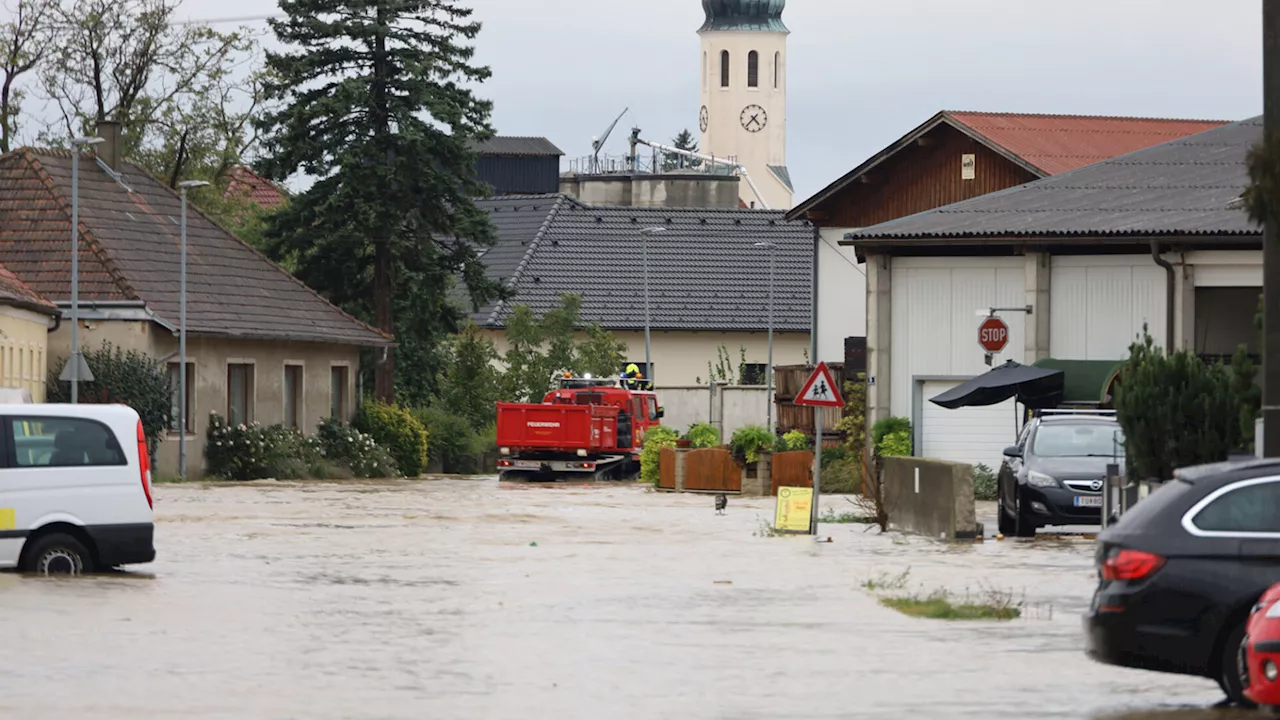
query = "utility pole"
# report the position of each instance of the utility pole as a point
(1271, 237)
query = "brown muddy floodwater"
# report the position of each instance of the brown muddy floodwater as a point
(431, 600)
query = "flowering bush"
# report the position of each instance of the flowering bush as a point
(344, 445)
(254, 452)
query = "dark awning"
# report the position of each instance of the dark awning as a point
(1036, 388)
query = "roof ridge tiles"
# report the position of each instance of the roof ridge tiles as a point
(1078, 116)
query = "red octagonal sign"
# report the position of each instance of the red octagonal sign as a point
(993, 334)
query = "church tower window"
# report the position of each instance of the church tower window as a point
(777, 69)
(724, 68)
(753, 69)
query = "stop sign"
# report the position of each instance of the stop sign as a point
(993, 334)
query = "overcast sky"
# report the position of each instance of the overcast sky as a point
(861, 72)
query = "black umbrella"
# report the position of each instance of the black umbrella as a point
(1036, 388)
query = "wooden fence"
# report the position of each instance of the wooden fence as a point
(788, 382)
(792, 469)
(667, 469)
(712, 469)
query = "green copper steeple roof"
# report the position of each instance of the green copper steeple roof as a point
(762, 15)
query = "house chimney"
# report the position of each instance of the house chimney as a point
(109, 150)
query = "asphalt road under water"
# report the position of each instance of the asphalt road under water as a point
(474, 599)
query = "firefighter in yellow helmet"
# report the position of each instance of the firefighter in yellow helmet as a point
(634, 380)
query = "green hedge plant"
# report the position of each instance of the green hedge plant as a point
(125, 377)
(703, 435)
(354, 450)
(650, 455)
(749, 442)
(397, 430)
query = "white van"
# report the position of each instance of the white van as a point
(75, 488)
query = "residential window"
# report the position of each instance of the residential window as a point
(755, 374)
(175, 382)
(338, 392)
(1249, 509)
(777, 69)
(753, 69)
(64, 442)
(293, 396)
(724, 68)
(239, 393)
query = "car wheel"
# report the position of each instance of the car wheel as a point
(57, 554)
(1232, 670)
(1003, 520)
(1024, 527)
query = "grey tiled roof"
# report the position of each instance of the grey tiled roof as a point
(522, 146)
(131, 249)
(1181, 188)
(704, 272)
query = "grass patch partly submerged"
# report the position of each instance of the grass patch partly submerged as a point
(939, 606)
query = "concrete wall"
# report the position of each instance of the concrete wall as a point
(735, 407)
(672, 190)
(210, 358)
(933, 498)
(681, 358)
(842, 295)
(24, 348)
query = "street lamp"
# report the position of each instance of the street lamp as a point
(772, 248)
(76, 359)
(648, 362)
(183, 187)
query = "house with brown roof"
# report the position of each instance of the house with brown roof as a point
(26, 319)
(242, 181)
(952, 157)
(261, 345)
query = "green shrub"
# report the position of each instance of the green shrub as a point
(889, 426)
(453, 442)
(984, 483)
(360, 453)
(832, 455)
(796, 440)
(703, 435)
(654, 440)
(254, 452)
(895, 444)
(749, 442)
(1176, 411)
(129, 378)
(397, 430)
(842, 476)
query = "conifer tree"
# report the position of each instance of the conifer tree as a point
(375, 105)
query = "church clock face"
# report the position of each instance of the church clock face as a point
(754, 118)
(704, 118)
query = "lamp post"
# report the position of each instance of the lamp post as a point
(772, 248)
(183, 187)
(76, 358)
(644, 243)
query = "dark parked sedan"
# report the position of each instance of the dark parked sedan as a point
(1054, 475)
(1181, 570)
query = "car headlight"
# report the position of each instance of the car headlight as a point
(1270, 671)
(1036, 479)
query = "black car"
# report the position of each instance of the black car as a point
(1180, 571)
(1055, 474)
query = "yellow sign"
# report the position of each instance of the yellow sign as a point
(795, 506)
(7, 520)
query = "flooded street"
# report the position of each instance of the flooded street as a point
(471, 599)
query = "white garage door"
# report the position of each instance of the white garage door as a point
(969, 435)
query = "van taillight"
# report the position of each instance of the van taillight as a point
(1130, 565)
(144, 464)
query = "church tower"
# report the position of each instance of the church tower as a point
(744, 93)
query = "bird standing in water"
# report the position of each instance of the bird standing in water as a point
(722, 502)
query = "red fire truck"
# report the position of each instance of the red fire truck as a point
(585, 429)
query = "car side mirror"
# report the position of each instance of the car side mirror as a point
(1013, 451)
(661, 413)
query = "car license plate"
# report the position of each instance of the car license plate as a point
(526, 465)
(1088, 501)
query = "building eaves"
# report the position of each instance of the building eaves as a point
(1183, 188)
(516, 146)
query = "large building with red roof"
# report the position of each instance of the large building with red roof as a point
(952, 157)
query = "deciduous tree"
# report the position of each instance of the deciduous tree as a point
(25, 42)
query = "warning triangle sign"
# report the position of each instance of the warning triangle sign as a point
(821, 390)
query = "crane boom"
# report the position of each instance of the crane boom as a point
(742, 170)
